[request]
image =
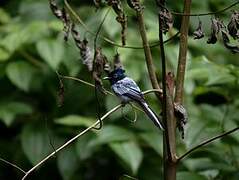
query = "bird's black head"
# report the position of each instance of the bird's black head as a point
(116, 75)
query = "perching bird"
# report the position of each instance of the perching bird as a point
(127, 90)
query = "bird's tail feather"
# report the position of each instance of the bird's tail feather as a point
(151, 114)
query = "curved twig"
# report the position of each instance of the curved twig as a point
(107, 39)
(108, 92)
(153, 90)
(13, 165)
(207, 142)
(206, 14)
(71, 140)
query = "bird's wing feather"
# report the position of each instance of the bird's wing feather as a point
(128, 87)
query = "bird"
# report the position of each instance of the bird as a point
(128, 91)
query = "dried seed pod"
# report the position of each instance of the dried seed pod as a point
(198, 34)
(86, 55)
(76, 36)
(233, 25)
(121, 18)
(63, 16)
(182, 117)
(135, 4)
(123, 22)
(98, 68)
(216, 26)
(166, 19)
(55, 10)
(226, 42)
(66, 23)
(85, 51)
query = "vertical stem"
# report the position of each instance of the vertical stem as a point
(147, 52)
(182, 52)
(170, 158)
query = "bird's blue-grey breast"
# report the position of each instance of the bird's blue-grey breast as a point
(127, 90)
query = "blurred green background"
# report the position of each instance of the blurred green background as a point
(32, 48)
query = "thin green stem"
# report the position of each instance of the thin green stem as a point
(208, 13)
(71, 141)
(13, 165)
(77, 17)
(207, 142)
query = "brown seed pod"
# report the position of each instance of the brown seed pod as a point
(66, 23)
(63, 16)
(121, 18)
(216, 26)
(182, 117)
(85, 50)
(86, 55)
(226, 42)
(166, 19)
(233, 25)
(99, 65)
(135, 4)
(55, 10)
(198, 33)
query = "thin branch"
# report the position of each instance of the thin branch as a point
(13, 165)
(82, 81)
(164, 101)
(206, 14)
(71, 140)
(108, 92)
(99, 29)
(109, 40)
(183, 47)
(168, 108)
(208, 142)
(153, 90)
(147, 52)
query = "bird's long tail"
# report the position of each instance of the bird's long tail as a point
(151, 114)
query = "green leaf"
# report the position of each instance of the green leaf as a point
(35, 143)
(209, 73)
(35, 31)
(21, 74)
(67, 162)
(112, 133)
(154, 140)
(130, 153)
(4, 55)
(4, 17)
(51, 51)
(75, 120)
(9, 111)
(14, 40)
(85, 147)
(189, 175)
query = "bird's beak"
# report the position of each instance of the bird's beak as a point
(106, 78)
